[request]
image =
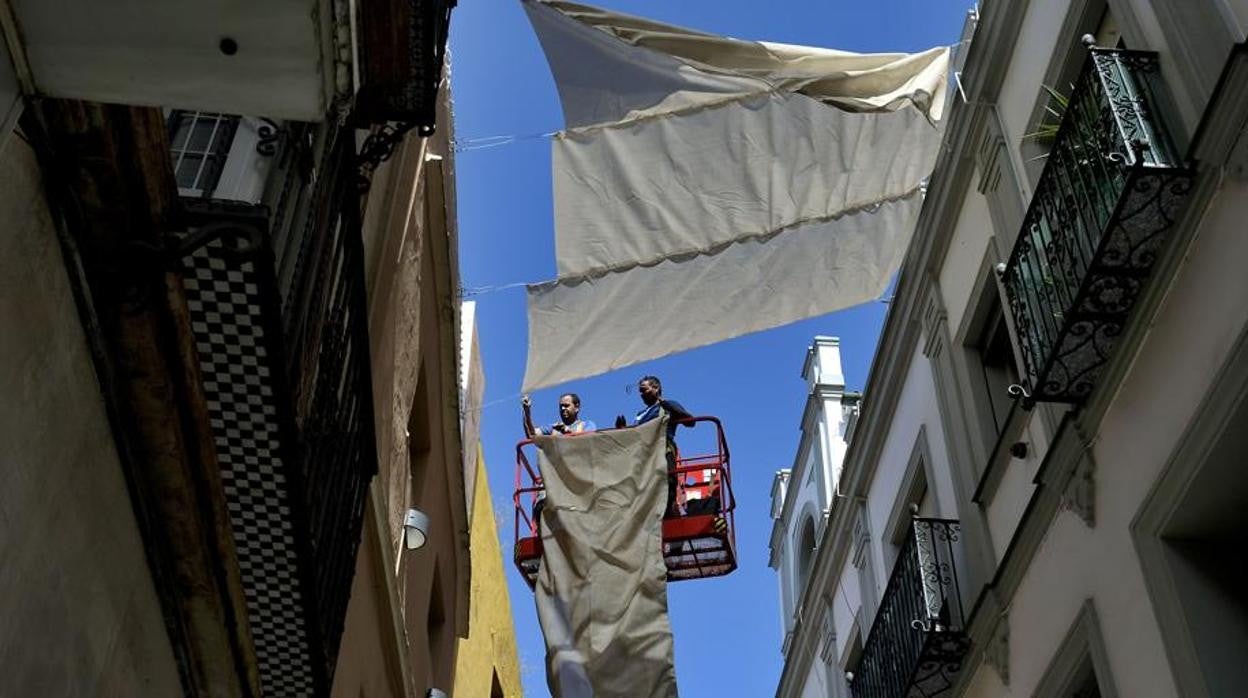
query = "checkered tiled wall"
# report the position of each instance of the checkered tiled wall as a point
(227, 322)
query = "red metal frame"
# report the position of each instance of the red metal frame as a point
(695, 546)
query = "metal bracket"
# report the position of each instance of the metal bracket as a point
(1018, 391)
(378, 148)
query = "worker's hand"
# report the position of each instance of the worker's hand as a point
(561, 428)
(620, 422)
(525, 402)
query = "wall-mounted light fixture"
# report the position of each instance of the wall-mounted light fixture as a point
(416, 532)
(435, 693)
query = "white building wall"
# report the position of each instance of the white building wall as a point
(846, 600)
(916, 409)
(966, 249)
(1005, 508)
(1032, 51)
(1238, 10)
(1205, 309)
(816, 685)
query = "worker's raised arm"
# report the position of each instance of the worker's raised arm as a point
(526, 408)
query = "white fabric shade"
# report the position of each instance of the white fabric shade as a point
(601, 589)
(698, 170)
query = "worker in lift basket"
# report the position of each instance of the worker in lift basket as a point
(570, 422)
(650, 388)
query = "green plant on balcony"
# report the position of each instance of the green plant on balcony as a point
(1046, 133)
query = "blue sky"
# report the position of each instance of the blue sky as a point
(727, 630)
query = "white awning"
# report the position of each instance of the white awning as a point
(708, 187)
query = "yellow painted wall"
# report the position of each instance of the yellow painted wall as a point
(491, 643)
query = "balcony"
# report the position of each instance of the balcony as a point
(917, 641)
(286, 59)
(296, 59)
(276, 301)
(401, 57)
(1112, 190)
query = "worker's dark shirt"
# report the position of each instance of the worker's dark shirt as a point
(675, 411)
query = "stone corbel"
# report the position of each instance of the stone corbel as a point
(997, 649)
(1079, 497)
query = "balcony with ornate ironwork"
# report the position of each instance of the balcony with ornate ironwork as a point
(1112, 190)
(275, 295)
(917, 640)
(401, 57)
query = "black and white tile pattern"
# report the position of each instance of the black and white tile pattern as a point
(227, 321)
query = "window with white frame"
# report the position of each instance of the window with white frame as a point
(199, 143)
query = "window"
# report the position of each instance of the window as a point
(199, 144)
(997, 370)
(805, 553)
(1079, 668)
(496, 687)
(1085, 685)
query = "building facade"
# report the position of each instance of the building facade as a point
(1036, 498)
(487, 663)
(801, 496)
(231, 351)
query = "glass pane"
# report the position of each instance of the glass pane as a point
(188, 171)
(202, 134)
(221, 143)
(180, 130)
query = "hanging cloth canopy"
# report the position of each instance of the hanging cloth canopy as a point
(708, 187)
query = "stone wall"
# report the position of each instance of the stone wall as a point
(79, 614)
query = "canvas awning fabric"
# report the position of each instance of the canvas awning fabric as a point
(718, 186)
(601, 589)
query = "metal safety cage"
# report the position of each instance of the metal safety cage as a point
(917, 641)
(699, 538)
(1111, 191)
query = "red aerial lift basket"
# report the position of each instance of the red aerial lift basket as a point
(699, 538)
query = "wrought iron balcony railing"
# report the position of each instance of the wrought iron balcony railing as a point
(276, 298)
(917, 640)
(1110, 193)
(403, 47)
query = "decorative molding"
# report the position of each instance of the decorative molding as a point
(997, 648)
(861, 537)
(827, 649)
(988, 158)
(933, 318)
(1079, 497)
(343, 38)
(999, 180)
